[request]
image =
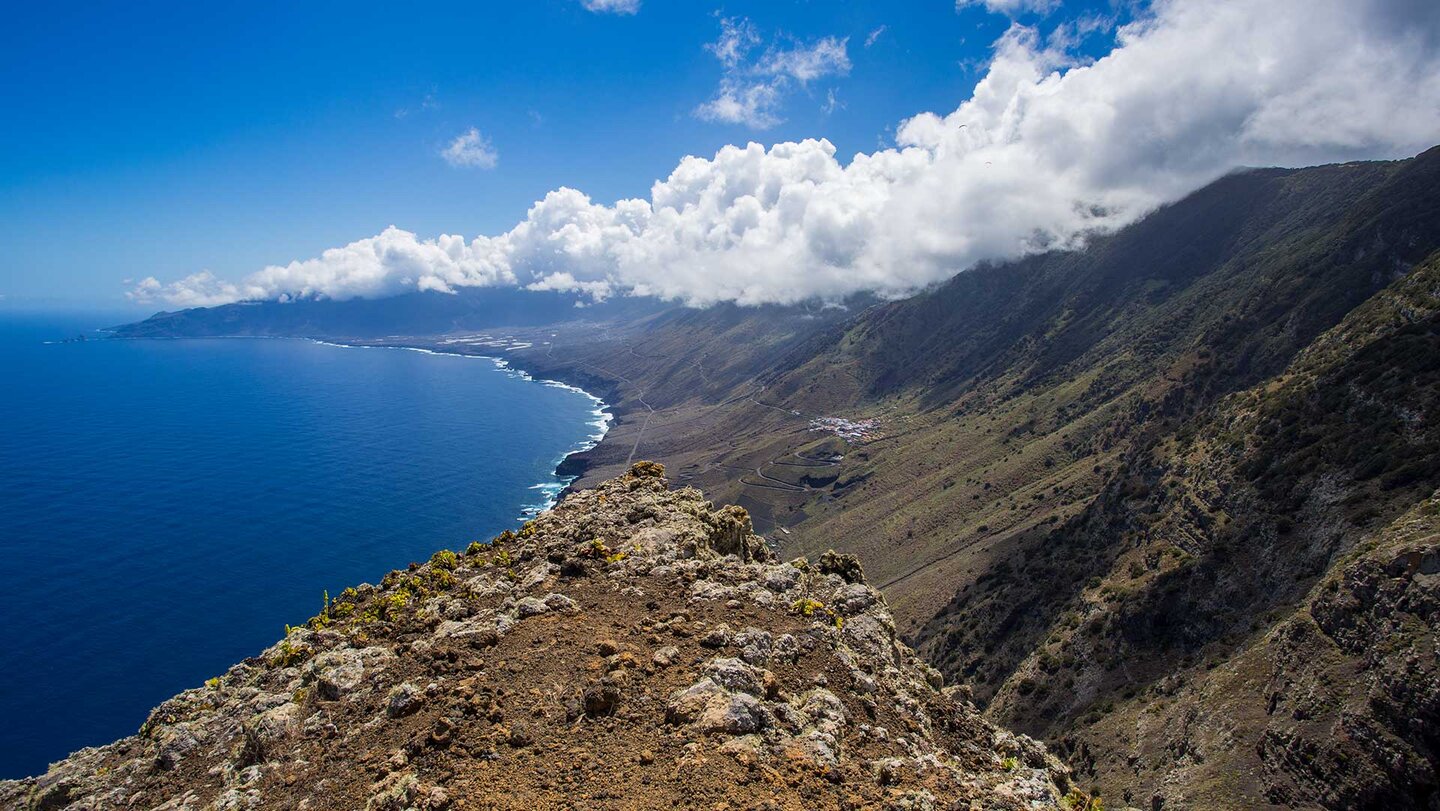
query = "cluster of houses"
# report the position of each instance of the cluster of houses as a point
(849, 430)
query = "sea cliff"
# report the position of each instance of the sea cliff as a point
(635, 647)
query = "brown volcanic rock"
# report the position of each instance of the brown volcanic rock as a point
(606, 656)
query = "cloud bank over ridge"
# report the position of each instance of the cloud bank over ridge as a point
(1045, 152)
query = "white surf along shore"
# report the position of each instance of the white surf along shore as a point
(547, 492)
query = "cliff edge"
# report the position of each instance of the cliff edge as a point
(635, 647)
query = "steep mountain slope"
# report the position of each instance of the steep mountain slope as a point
(1021, 379)
(1023, 412)
(1223, 651)
(1149, 500)
(633, 648)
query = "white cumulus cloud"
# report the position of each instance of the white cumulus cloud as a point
(806, 63)
(390, 263)
(1011, 8)
(737, 37)
(612, 6)
(1045, 152)
(472, 150)
(754, 103)
(751, 91)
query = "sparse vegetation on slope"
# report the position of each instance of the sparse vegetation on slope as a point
(1215, 541)
(636, 647)
(1100, 489)
(1103, 474)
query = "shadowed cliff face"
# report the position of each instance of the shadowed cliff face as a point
(1214, 651)
(636, 647)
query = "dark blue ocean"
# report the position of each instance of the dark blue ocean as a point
(166, 507)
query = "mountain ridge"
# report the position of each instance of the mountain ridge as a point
(635, 647)
(1085, 480)
(1044, 416)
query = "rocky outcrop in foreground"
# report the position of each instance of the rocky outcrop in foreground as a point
(635, 647)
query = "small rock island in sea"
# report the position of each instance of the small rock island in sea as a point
(634, 647)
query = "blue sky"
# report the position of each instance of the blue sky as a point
(162, 139)
(191, 155)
